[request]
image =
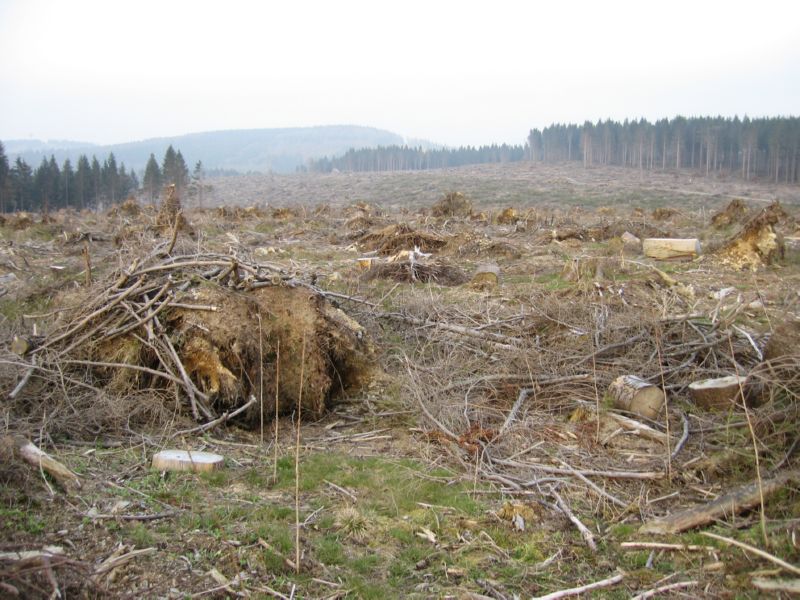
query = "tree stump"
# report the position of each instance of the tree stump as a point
(486, 277)
(716, 393)
(635, 395)
(186, 460)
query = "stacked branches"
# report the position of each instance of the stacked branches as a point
(194, 327)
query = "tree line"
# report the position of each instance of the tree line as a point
(764, 148)
(406, 158)
(88, 184)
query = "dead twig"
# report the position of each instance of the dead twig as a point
(576, 591)
(664, 588)
(753, 550)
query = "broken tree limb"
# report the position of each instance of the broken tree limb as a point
(32, 455)
(523, 394)
(641, 429)
(585, 533)
(734, 502)
(24, 381)
(218, 421)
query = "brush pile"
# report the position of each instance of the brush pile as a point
(208, 329)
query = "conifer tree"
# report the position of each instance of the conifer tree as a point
(152, 179)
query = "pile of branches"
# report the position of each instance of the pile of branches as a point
(204, 328)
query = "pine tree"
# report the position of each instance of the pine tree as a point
(83, 180)
(67, 190)
(152, 179)
(21, 176)
(168, 166)
(97, 180)
(181, 172)
(198, 176)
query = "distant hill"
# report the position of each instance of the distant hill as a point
(278, 150)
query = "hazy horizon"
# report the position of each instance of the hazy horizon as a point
(452, 73)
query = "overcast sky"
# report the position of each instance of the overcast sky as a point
(452, 72)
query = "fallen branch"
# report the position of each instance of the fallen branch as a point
(684, 437)
(45, 552)
(586, 472)
(24, 381)
(218, 421)
(661, 546)
(790, 586)
(664, 588)
(523, 394)
(734, 502)
(752, 549)
(114, 561)
(576, 591)
(585, 533)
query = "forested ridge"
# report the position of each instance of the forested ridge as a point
(765, 148)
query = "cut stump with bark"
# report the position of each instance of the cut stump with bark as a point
(635, 395)
(717, 393)
(486, 277)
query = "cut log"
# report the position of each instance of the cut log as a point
(635, 395)
(716, 393)
(486, 277)
(186, 460)
(671, 248)
(734, 502)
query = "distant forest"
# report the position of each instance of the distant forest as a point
(762, 148)
(751, 148)
(86, 185)
(405, 158)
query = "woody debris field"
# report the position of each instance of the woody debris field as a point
(504, 381)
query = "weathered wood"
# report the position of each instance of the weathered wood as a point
(186, 460)
(635, 395)
(671, 248)
(734, 502)
(717, 393)
(32, 455)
